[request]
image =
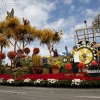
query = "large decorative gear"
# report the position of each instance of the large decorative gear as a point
(86, 50)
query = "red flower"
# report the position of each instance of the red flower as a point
(27, 50)
(81, 65)
(54, 67)
(11, 55)
(23, 56)
(68, 66)
(36, 50)
(20, 51)
(94, 63)
(2, 55)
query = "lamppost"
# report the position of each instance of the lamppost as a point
(85, 22)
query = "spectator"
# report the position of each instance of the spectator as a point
(55, 53)
(66, 50)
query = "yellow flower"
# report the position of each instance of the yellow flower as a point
(58, 64)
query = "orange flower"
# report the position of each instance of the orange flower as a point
(68, 66)
(81, 65)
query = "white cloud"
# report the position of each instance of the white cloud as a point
(90, 12)
(36, 15)
(72, 7)
(84, 1)
(62, 23)
(68, 2)
(37, 11)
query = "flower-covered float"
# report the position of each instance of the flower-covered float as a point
(32, 69)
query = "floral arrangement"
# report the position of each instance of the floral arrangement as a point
(94, 63)
(55, 80)
(20, 51)
(36, 59)
(68, 66)
(36, 50)
(81, 65)
(23, 56)
(76, 82)
(10, 81)
(27, 50)
(11, 55)
(52, 80)
(27, 80)
(2, 55)
(54, 67)
(47, 66)
(57, 64)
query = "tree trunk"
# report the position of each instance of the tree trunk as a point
(1, 48)
(23, 45)
(11, 63)
(49, 49)
(15, 46)
(50, 53)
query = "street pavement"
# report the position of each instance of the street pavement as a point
(48, 93)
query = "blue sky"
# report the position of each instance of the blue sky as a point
(65, 15)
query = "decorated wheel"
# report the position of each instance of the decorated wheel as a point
(71, 59)
(87, 54)
(86, 51)
(64, 59)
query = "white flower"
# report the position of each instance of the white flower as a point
(10, 80)
(1, 80)
(76, 81)
(38, 81)
(27, 80)
(52, 80)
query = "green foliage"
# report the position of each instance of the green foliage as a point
(18, 73)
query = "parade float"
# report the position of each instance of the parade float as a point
(35, 70)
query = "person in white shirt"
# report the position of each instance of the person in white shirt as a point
(76, 60)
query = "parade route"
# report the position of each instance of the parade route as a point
(43, 93)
